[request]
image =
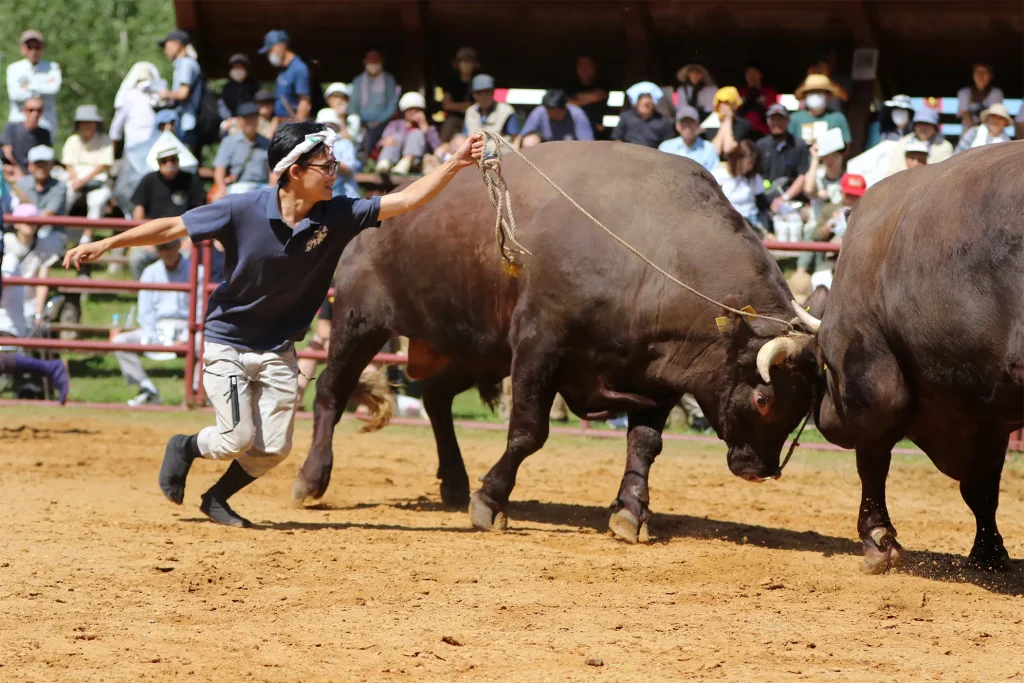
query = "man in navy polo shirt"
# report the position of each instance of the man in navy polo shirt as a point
(281, 245)
(291, 91)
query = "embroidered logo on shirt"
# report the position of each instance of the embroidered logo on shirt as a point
(319, 236)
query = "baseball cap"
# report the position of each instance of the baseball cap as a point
(25, 211)
(554, 99)
(926, 115)
(916, 146)
(687, 112)
(178, 35)
(31, 34)
(273, 38)
(899, 102)
(40, 153)
(166, 116)
(247, 109)
(238, 58)
(853, 184)
(481, 82)
(777, 109)
(338, 88)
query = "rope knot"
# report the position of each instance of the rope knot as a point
(504, 220)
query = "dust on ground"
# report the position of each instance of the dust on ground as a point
(102, 579)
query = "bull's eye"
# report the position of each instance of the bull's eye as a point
(761, 403)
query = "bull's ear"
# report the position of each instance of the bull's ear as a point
(733, 322)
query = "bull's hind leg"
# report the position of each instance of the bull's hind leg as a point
(630, 511)
(438, 393)
(355, 339)
(980, 490)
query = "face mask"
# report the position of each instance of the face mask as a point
(901, 118)
(374, 69)
(816, 101)
(238, 75)
(275, 60)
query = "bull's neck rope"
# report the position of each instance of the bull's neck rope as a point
(505, 228)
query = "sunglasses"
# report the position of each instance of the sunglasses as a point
(33, 110)
(33, 45)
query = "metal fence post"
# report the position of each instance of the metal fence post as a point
(190, 353)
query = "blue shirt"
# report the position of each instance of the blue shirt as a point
(187, 72)
(275, 278)
(292, 84)
(574, 125)
(703, 152)
(345, 152)
(155, 306)
(245, 160)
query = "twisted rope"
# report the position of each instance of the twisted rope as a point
(505, 230)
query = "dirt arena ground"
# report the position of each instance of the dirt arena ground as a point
(101, 579)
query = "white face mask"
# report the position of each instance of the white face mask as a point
(275, 60)
(374, 69)
(238, 75)
(901, 117)
(816, 100)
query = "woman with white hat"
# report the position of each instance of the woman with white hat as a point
(87, 157)
(641, 124)
(337, 96)
(814, 118)
(993, 128)
(407, 142)
(696, 89)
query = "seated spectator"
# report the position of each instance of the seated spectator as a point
(757, 97)
(823, 187)
(814, 119)
(87, 157)
(163, 319)
(641, 124)
(21, 136)
(457, 91)
(337, 96)
(241, 88)
(978, 96)
(994, 129)
(486, 114)
(241, 163)
(588, 92)
(134, 114)
(926, 130)
(731, 128)
(167, 192)
(916, 153)
(690, 144)
(784, 158)
(854, 187)
(344, 155)
(408, 142)
(26, 254)
(900, 114)
(555, 119)
(742, 184)
(266, 126)
(696, 88)
(42, 190)
(374, 98)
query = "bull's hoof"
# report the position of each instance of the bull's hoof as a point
(989, 558)
(626, 527)
(484, 517)
(881, 552)
(455, 494)
(303, 493)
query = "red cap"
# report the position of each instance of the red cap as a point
(853, 184)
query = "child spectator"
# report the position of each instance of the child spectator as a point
(641, 124)
(916, 154)
(978, 96)
(337, 96)
(374, 98)
(344, 154)
(690, 144)
(925, 130)
(407, 142)
(996, 120)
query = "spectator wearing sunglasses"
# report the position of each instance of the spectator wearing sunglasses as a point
(21, 136)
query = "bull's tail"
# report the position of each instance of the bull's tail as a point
(375, 392)
(490, 394)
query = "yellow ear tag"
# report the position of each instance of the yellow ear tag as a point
(723, 324)
(749, 309)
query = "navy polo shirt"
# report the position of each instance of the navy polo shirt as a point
(275, 278)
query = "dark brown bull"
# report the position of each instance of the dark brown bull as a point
(924, 336)
(585, 318)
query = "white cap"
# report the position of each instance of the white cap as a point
(40, 153)
(916, 146)
(329, 117)
(412, 100)
(338, 89)
(831, 141)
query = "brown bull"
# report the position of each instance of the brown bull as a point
(585, 318)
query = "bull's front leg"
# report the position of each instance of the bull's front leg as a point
(630, 511)
(881, 550)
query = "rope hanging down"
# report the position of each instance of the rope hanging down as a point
(505, 230)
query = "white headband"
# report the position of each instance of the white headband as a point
(328, 137)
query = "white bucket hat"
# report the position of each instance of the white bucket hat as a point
(412, 100)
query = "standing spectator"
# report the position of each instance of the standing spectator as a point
(757, 97)
(996, 119)
(916, 154)
(901, 113)
(814, 119)
(134, 115)
(979, 95)
(186, 85)
(374, 98)
(344, 155)
(407, 143)
(292, 89)
(696, 89)
(742, 184)
(641, 124)
(167, 192)
(33, 77)
(588, 92)
(240, 88)
(784, 157)
(21, 136)
(555, 119)
(39, 188)
(241, 163)
(337, 96)
(486, 114)
(267, 125)
(690, 144)
(25, 254)
(732, 128)
(926, 130)
(87, 157)
(163, 319)
(458, 94)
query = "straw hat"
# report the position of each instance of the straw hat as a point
(816, 82)
(998, 109)
(694, 66)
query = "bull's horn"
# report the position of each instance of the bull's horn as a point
(774, 352)
(806, 318)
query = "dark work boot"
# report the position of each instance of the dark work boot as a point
(178, 456)
(215, 501)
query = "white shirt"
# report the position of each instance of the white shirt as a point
(24, 80)
(155, 306)
(23, 260)
(741, 192)
(135, 120)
